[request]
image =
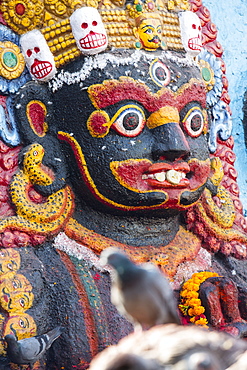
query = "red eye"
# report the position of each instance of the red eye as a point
(36, 49)
(84, 25)
(94, 23)
(199, 28)
(29, 52)
(194, 26)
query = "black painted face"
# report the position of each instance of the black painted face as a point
(137, 134)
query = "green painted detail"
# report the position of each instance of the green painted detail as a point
(206, 74)
(138, 45)
(10, 59)
(139, 7)
(94, 300)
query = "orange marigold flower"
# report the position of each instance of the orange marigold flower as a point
(192, 294)
(194, 302)
(199, 310)
(201, 321)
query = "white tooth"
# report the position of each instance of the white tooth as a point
(160, 176)
(144, 177)
(183, 175)
(173, 176)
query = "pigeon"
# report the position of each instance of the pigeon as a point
(141, 293)
(29, 350)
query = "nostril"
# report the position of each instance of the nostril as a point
(170, 155)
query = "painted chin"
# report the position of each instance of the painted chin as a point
(173, 179)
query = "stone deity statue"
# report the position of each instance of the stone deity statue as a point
(116, 131)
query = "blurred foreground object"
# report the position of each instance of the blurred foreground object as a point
(174, 347)
(141, 293)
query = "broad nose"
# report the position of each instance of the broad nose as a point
(169, 140)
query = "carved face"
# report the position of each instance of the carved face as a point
(88, 30)
(10, 260)
(191, 32)
(21, 325)
(149, 33)
(38, 56)
(138, 146)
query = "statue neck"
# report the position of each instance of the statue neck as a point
(137, 231)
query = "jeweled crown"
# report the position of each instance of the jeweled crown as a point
(52, 18)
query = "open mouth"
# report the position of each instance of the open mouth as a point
(41, 69)
(142, 175)
(93, 40)
(167, 176)
(195, 43)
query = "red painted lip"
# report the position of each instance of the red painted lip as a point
(158, 167)
(41, 69)
(195, 43)
(132, 174)
(164, 167)
(93, 40)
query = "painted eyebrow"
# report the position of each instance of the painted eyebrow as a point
(148, 25)
(111, 92)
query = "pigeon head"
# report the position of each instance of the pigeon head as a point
(9, 338)
(117, 259)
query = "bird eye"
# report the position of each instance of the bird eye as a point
(129, 120)
(193, 122)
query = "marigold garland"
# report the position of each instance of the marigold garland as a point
(190, 303)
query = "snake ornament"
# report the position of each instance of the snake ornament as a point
(45, 216)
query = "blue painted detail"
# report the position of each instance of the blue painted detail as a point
(11, 86)
(8, 130)
(230, 19)
(221, 124)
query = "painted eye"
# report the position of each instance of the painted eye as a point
(149, 31)
(22, 302)
(84, 25)
(36, 49)
(94, 23)
(193, 122)
(199, 28)
(15, 284)
(194, 26)
(159, 73)
(129, 121)
(10, 266)
(22, 323)
(29, 53)
(35, 153)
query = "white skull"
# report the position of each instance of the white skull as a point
(88, 30)
(191, 32)
(38, 56)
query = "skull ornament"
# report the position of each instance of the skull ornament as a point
(38, 56)
(191, 33)
(88, 30)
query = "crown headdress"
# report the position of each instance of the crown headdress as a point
(52, 18)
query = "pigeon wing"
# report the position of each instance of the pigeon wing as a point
(160, 289)
(32, 348)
